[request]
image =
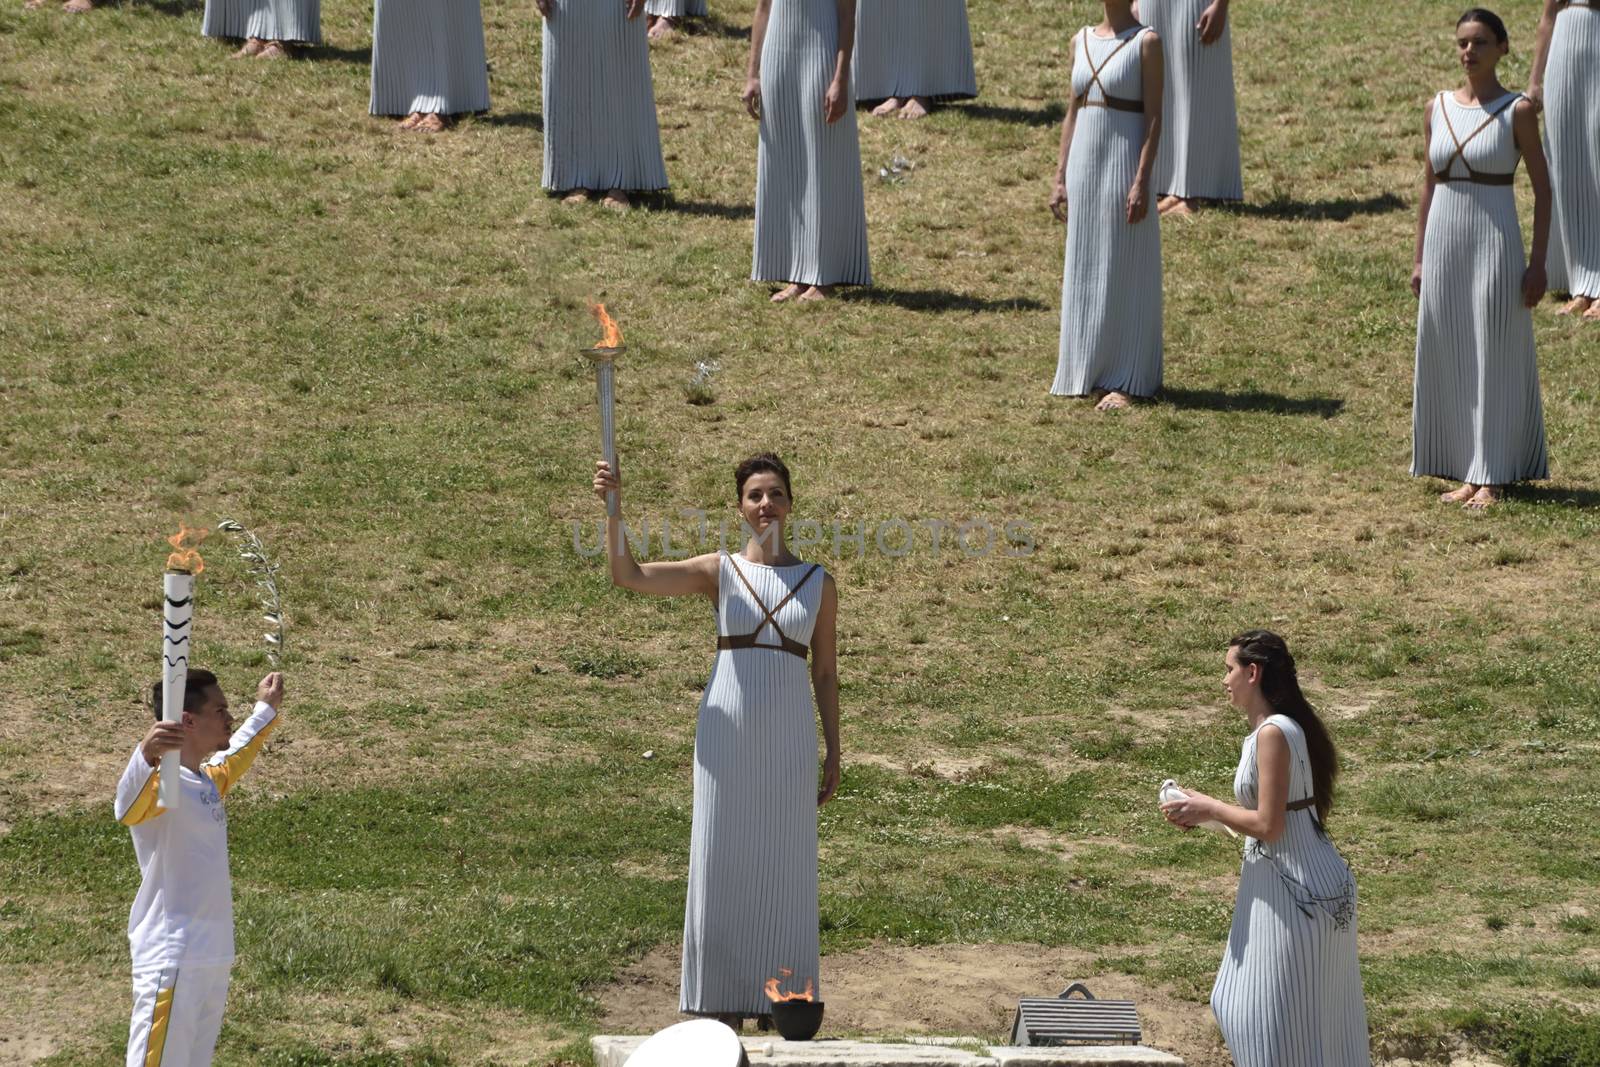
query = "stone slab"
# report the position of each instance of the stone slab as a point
(614, 1050)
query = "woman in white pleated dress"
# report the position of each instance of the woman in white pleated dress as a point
(1288, 993)
(910, 53)
(1199, 159)
(270, 29)
(1477, 417)
(1566, 83)
(600, 128)
(1111, 282)
(811, 214)
(428, 62)
(665, 15)
(751, 910)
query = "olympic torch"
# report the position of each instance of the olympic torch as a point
(177, 617)
(604, 356)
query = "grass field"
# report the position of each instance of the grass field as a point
(230, 292)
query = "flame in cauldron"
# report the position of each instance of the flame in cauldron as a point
(778, 998)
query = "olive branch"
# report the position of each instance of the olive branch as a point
(265, 571)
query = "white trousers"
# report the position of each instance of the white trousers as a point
(177, 1014)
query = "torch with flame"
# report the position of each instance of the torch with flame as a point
(605, 356)
(778, 998)
(177, 591)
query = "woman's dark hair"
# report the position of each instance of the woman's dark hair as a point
(761, 462)
(194, 691)
(1489, 19)
(1281, 687)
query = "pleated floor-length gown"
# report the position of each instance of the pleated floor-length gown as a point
(1572, 139)
(428, 57)
(677, 8)
(914, 48)
(1111, 281)
(1477, 416)
(298, 21)
(1288, 993)
(600, 128)
(811, 215)
(1199, 152)
(751, 909)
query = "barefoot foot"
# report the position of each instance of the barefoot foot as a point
(251, 47)
(617, 200)
(274, 50)
(410, 121)
(577, 196)
(1458, 496)
(788, 292)
(1179, 208)
(1113, 401)
(1576, 306)
(888, 107)
(915, 108)
(78, 7)
(815, 293)
(1594, 311)
(430, 124)
(663, 28)
(1485, 498)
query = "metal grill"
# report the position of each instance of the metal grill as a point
(1067, 1020)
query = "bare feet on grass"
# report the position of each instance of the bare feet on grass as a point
(915, 108)
(274, 50)
(616, 200)
(662, 27)
(1177, 207)
(78, 7)
(430, 124)
(815, 293)
(788, 292)
(1485, 498)
(1113, 401)
(1458, 496)
(1576, 306)
(411, 120)
(577, 196)
(888, 107)
(1593, 314)
(251, 47)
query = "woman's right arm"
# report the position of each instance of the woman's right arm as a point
(1428, 183)
(1541, 53)
(752, 78)
(688, 577)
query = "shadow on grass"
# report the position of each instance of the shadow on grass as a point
(1563, 495)
(938, 300)
(1337, 210)
(327, 53)
(522, 120)
(1049, 115)
(1324, 407)
(715, 26)
(705, 208)
(173, 7)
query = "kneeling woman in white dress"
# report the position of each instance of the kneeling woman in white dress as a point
(1477, 417)
(811, 214)
(269, 28)
(751, 913)
(1111, 284)
(1288, 993)
(428, 61)
(910, 53)
(600, 130)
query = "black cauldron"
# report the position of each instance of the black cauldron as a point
(797, 1020)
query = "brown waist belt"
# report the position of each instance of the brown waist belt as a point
(1479, 178)
(1115, 103)
(786, 644)
(1301, 805)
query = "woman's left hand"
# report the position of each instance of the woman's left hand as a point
(1213, 20)
(834, 100)
(1534, 284)
(830, 778)
(635, 8)
(1138, 202)
(1191, 811)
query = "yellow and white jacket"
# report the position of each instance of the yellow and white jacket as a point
(183, 915)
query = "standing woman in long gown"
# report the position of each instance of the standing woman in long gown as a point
(269, 28)
(1288, 993)
(1477, 417)
(428, 62)
(1199, 158)
(600, 129)
(811, 214)
(1111, 283)
(1566, 83)
(666, 14)
(751, 911)
(910, 53)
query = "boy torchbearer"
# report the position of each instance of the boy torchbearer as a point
(181, 928)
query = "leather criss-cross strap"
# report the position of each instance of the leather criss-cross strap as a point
(785, 642)
(1476, 177)
(1115, 103)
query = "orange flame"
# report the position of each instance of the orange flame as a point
(185, 558)
(613, 332)
(778, 998)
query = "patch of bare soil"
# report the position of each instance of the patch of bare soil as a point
(955, 990)
(53, 1007)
